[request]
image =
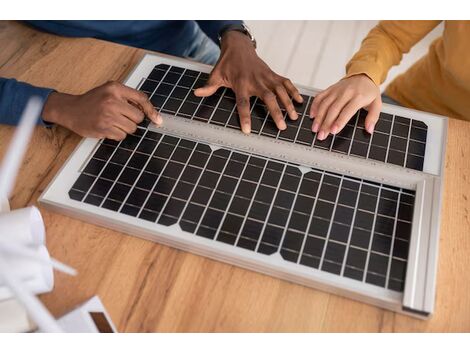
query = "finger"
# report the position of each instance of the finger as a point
(143, 102)
(116, 134)
(270, 100)
(285, 100)
(373, 114)
(349, 110)
(316, 102)
(213, 83)
(293, 91)
(334, 110)
(322, 110)
(125, 124)
(131, 112)
(243, 108)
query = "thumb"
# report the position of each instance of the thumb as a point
(373, 114)
(210, 88)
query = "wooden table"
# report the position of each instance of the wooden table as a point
(150, 287)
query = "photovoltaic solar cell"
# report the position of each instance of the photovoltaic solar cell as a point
(313, 218)
(397, 140)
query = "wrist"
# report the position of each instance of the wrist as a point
(54, 107)
(235, 38)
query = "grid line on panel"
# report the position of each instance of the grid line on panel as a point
(366, 267)
(188, 93)
(270, 209)
(407, 145)
(159, 82)
(354, 132)
(232, 197)
(251, 203)
(158, 179)
(252, 107)
(232, 112)
(284, 117)
(266, 118)
(172, 89)
(369, 147)
(281, 242)
(327, 239)
(300, 119)
(196, 183)
(106, 164)
(390, 137)
(177, 180)
(217, 105)
(348, 244)
(310, 219)
(390, 254)
(213, 190)
(137, 178)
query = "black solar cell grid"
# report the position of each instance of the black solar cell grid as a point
(396, 140)
(345, 226)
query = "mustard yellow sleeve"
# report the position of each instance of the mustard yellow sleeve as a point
(384, 47)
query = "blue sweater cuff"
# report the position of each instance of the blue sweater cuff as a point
(14, 96)
(212, 28)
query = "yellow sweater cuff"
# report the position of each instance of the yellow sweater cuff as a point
(357, 68)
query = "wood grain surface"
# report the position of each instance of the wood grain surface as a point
(149, 287)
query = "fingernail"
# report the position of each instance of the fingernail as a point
(282, 125)
(158, 118)
(370, 128)
(293, 115)
(315, 127)
(246, 129)
(334, 129)
(321, 135)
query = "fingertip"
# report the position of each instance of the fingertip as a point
(198, 92)
(159, 119)
(334, 129)
(370, 128)
(156, 117)
(315, 127)
(298, 98)
(293, 115)
(313, 111)
(321, 135)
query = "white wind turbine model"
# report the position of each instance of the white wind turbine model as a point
(23, 255)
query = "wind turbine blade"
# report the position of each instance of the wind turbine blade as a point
(32, 255)
(12, 160)
(32, 304)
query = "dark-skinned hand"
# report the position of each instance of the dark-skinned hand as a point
(112, 111)
(241, 69)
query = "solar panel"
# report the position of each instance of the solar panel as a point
(322, 220)
(357, 214)
(398, 140)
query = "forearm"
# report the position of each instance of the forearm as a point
(14, 96)
(384, 47)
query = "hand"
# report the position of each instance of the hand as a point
(335, 106)
(240, 69)
(108, 111)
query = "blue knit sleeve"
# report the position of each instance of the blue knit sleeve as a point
(212, 28)
(14, 96)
